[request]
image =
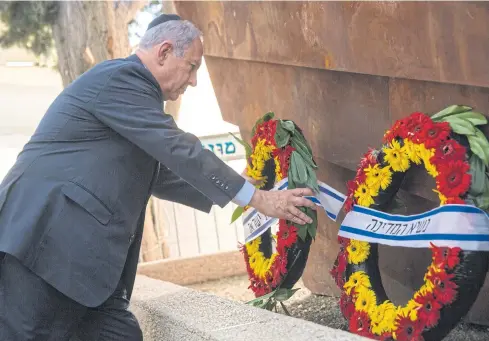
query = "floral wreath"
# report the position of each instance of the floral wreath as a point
(455, 153)
(279, 150)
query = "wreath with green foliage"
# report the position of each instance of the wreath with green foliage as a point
(275, 261)
(455, 153)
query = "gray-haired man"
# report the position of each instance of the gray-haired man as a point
(72, 206)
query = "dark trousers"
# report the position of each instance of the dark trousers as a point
(32, 310)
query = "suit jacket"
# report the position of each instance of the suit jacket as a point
(72, 206)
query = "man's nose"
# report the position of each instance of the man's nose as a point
(193, 80)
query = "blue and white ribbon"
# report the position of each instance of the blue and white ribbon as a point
(256, 223)
(461, 226)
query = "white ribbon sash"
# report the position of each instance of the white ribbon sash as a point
(256, 223)
(461, 226)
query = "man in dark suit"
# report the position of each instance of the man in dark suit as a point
(72, 206)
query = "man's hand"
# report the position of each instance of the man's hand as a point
(282, 204)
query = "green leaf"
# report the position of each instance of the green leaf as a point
(460, 125)
(303, 151)
(293, 173)
(282, 136)
(284, 294)
(473, 117)
(246, 146)
(301, 169)
(482, 201)
(480, 146)
(453, 109)
(312, 181)
(483, 142)
(478, 173)
(288, 125)
(271, 304)
(237, 213)
(302, 232)
(268, 116)
(477, 149)
(261, 298)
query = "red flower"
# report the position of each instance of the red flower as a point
(287, 234)
(349, 202)
(446, 257)
(283, 155)
(435, 133)
(449, 150)
(360, 323)
(347, 306)
(339, 269)
(258, 287)
(429, 312)
(344, 242)
(342, 261)
(453, 179)
(399, 129)
(416, 125)
(445, 289)
(351, 186)
(409, 330)
(278, 269)
(369, 158)
(335, 274)
(265, 130)
(360, 177)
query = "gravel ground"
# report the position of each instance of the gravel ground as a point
(318, 309)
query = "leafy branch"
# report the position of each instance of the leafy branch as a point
(464, 121)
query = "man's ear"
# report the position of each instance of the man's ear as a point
(164, 50)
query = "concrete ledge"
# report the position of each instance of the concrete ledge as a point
(169, 312)
(191, 270)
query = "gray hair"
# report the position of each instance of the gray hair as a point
(181, 32)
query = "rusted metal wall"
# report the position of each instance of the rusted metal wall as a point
(345, 71)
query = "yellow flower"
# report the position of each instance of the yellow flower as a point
(278, 172)
(365, 194)
(253, 246)
(265, 267)
(443, 199)
(358, 251)
(430, 168)
(365, 300)
(412, 152)
(383, 318)
(378, 177)
(422, 152)
(410, 310)
(425, 155)
(397, 157)
(256, 261)
(261, 154)
(356, 281)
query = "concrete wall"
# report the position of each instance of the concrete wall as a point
(172, 313)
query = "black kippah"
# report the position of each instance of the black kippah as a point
(163, 18)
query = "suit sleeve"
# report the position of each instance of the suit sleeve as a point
(131, 104)
(171, 187)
